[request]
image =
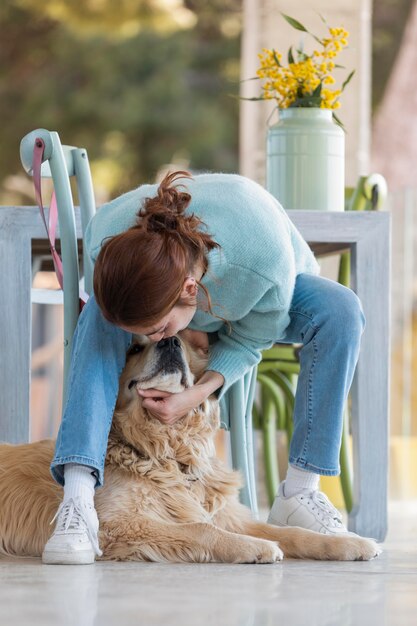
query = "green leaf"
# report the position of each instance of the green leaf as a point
(317, 39)
(294, 23)
(298, 26)
(290, 56)
(307, 102)
(271, 114)
(245, 80)
(317, 91)
(276, 59)
(322, 18)
(338, 121)
(242, 98)
(348, 79)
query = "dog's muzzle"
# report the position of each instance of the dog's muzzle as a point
(165, 367)
(170, 355)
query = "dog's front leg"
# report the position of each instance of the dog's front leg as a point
(305, 544)
(149, 540)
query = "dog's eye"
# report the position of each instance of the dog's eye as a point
(135, 349)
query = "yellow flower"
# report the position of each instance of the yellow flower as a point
(298, 83)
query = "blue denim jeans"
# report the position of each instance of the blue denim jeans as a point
(328, 320)
(324, 316)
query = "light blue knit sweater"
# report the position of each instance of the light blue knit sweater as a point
(250, 279)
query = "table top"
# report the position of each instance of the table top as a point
(315, 226)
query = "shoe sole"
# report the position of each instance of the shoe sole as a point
(62, 558)
(340, 534)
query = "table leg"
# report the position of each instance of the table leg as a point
(15, 334)
(370, 389)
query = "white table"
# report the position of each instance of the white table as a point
(366, 234)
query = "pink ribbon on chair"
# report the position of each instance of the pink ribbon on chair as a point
(38, 151)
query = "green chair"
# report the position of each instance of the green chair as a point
(277, 372)
(60, 163)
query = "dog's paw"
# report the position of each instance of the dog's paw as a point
(357, 549)
(261, 551)
(366, 550)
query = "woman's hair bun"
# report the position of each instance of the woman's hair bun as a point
(158, 222)
(165, 212)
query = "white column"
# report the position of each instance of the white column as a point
(252, 121)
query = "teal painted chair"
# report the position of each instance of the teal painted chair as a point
(61, 163)
(278, 370)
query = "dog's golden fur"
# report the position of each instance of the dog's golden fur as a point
(166, 496)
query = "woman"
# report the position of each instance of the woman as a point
(153, 249)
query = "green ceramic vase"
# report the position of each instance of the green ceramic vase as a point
(306, 160)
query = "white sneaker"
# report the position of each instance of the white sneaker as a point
(74, 541)
(308, 509)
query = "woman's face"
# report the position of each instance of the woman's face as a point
(179, 316)
(177, 319)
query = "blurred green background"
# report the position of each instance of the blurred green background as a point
(139, 83)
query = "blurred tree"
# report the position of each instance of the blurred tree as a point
(115, 19)
(133, 102)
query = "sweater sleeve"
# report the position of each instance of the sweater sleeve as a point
(239, 347)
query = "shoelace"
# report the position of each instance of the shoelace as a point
(327, 512)
(74, 518)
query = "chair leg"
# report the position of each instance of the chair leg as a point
(269, 445)
(251, 468)
(273, 416)
(344, 269)
(346, 478)
(240, 411)
(277, 401)
(287, 388)
(240, 455)
(272, 383)
(250, 388)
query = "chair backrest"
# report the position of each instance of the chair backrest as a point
(60, 163)
(369, 194)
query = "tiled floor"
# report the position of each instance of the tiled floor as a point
(302, 593)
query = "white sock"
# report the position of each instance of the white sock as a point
(298, 480)
(79, 481)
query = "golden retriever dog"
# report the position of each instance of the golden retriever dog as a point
(166, 496)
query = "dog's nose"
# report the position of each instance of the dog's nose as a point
(170, 343)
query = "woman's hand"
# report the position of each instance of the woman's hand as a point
(168, 408)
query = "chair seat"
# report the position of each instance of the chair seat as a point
(47, 296)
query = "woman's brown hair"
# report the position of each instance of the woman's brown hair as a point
(139, 274)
